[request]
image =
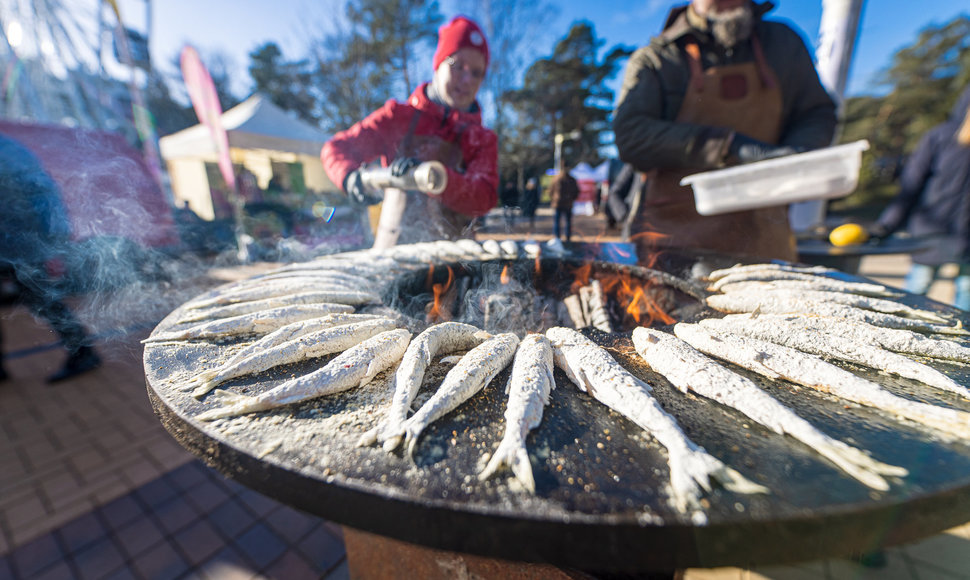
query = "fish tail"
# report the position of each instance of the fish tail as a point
(232, 405)
(858, 464)
(369, 438)
(203, 388)
(411, 434)
(701, 467)
(516, 458)
(391, 443)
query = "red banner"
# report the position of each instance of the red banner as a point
(205, 100)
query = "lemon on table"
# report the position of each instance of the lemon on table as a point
(848, 234)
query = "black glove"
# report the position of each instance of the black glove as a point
(878, 232)
(359, 194)
(744, 149)
(400, 166)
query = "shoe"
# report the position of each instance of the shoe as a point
(82, 361)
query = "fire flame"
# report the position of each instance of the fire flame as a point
(505, 277)
(583, 274)
(439, 312)
(634, 297)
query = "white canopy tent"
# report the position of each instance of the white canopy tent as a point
(260, 135)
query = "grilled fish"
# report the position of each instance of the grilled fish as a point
(863, 302)
(255, 323)
(475, 370)
(594, 371)
(444, 337)
(820, 283)
(776, 361)
(774, 304)
(528, 390)
(838, 347)
(770, 267)
(313, 345)
(894, 339)
(355, 367)
(690, 370)
(346, 297)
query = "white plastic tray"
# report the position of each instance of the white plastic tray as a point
(821, 174)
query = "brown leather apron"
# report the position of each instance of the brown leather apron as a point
(743, 97)
(425, 218)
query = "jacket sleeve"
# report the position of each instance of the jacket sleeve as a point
(475, 191)
(912, 182)
(647, 137)
(364, 142)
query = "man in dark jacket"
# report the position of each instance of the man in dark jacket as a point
(718, 87)
(934, 202)
(563, 191)
(33, 228)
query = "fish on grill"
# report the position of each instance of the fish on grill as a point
(774, 276)
(594, 371)
(776, 361)
(856, 301)
(839, 347)
(348, 297)
(777, 304)
(355, 367)
(528, 391)
(312, 345)
(439, 338)
(262, 322)
(819, 283)
(475, 370)
(690, 370)
(894, 339)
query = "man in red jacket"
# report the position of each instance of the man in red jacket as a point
(441, 121)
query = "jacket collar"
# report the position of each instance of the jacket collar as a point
(678, 24)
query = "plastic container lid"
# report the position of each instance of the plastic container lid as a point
(820, 174)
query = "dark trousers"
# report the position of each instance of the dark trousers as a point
(567, 216)
(39, 294)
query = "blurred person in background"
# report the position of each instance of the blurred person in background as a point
(933, 202)
(529, 202)
(718, 87)
(441, 121)
(33, 232)
(510, 200)
(563, 191)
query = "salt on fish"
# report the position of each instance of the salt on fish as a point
(691, 371)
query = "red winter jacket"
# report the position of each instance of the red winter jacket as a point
(472, 191)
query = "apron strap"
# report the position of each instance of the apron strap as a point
(767, 79)
(696, 69)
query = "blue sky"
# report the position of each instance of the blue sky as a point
(235, 27)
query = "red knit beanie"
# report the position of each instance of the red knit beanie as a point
(458, 34)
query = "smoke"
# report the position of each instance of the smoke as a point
(104, 239)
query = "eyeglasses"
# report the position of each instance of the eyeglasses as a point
(457, 66)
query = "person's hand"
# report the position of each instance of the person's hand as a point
(400, 166)
(359, 194)
(744, 149)
(877, 232)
